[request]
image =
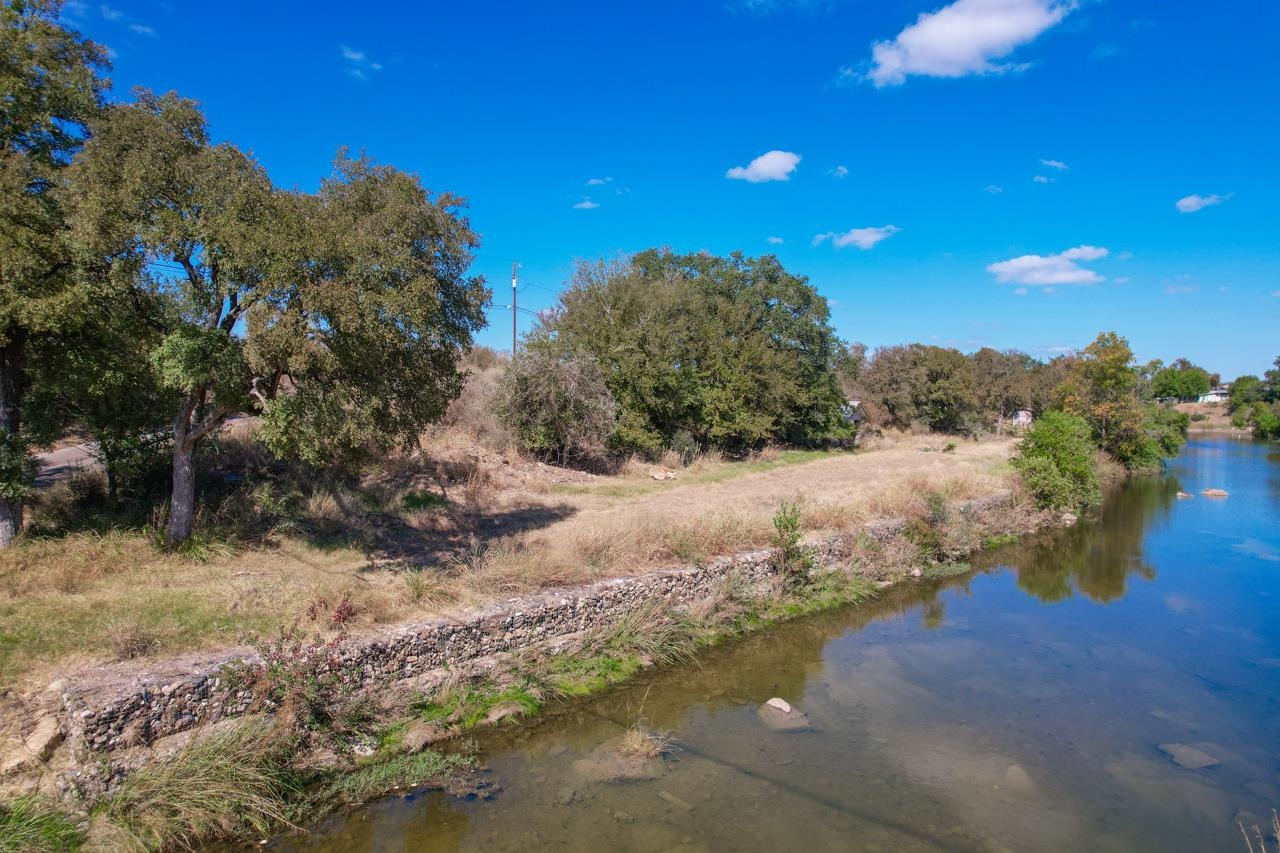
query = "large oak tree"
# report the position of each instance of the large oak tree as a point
(339, 315)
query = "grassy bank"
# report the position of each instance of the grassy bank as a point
(405, 547)
(328, 747)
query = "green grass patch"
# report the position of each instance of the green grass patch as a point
(470, 705)
(999, 540)
(30, 823)
(423, 499)
(574, 676)
(402, 771)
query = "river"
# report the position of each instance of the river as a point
(1021, 707)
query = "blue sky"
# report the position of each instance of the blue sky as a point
(1011, 173)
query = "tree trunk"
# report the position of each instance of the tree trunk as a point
(10, 424)
(182, 501)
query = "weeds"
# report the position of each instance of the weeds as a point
(30, 823)
(792, 559)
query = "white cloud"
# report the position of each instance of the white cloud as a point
(863, 238)
(585, 204)
(965, 37)
(142, 29)
(1121, 279)
(840, 171)
(1020, 291)
(1041, 179)
(1049, 270)
(1055, 164)
(774, 241)
(994, 188)
(599, 182)
(358, 62)
(1125, 256)
(110, 14)
(1176, 289)
(770, 166)
(1192, 203)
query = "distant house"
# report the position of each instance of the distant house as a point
(1021, 418)
(853, 412)
(1216, 395)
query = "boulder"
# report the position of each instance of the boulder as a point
(1214, 493)
(778, 715)
(1190, 757)
(1182, 496)
(1018, 779)
(662, 474)
(44, 738)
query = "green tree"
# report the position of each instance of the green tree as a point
(103, 380)
(925, 384)
(1245, 391)
(1003, 382)
(1057, 461)
(339, 316)
(1105, 389)
(733, 351)
(1181, 380)
(50, 88)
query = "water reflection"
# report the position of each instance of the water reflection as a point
(1097, 556)
(950, 714)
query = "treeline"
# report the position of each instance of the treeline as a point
(685, 352)
(1255, 403)
(154, 283)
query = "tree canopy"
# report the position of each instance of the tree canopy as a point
(338, 315)
(732, 350)
(51, 87)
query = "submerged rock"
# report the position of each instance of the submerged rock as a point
(1182, 496)
(1018, 779)
(1190, 757)
(608, 763)
(779, 716)
(1215, 493)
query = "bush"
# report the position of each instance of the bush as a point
(557, 403)
(1057, 461)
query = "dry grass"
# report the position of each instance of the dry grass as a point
(60, 597)
(639, 742)
(220, 785)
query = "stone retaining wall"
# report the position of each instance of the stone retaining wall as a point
(109, 715)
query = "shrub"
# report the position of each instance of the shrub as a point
(556, 403)
(1057, 461)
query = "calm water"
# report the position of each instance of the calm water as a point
(1020, 708)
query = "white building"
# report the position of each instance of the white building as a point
(1216, 395)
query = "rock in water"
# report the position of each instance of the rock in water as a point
(1188, 756)
(1182, 496)
(779, 716)
(1018, 779)
(1214, 493)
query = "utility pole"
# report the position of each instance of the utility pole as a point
(513, 309)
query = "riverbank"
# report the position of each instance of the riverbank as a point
(383, 697)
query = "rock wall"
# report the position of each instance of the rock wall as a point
(119, 708)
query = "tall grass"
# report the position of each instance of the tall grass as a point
(229, 783)
(29, 823)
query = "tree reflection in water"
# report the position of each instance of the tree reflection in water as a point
(1096, 556)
